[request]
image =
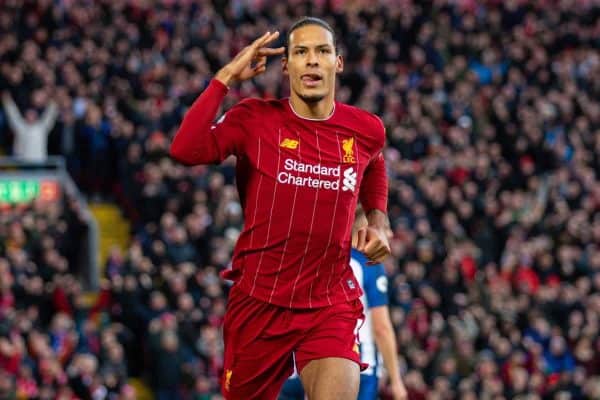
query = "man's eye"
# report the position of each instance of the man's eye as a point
(325, 51)
(300, 51)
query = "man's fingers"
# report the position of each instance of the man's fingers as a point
(383, 251)
(251, 50)
(260, 60)
(271, 37)
(376, 257)
(361, 240)
(268, 51)
(268, 37)
(257, 70)
(258, 42)
(242, 53)
(381, 254)
(375, 248)
(372, 245)
(256, 49)
(260, 66)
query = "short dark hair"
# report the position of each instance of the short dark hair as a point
(304, 21)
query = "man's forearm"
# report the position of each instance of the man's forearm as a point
(385, 339)
(374, 186)
(225, 76)
(378, 219)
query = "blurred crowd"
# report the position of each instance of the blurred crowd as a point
(492, 110)
(50, 346)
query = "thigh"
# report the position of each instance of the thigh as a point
(331, 378)
(258, 349)
(328, 357)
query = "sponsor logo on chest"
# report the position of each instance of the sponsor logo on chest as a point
(318, 175)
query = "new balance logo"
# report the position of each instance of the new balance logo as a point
(349, 182)
(289, 144)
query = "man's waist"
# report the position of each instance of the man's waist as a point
(288, 258)
(302, 294)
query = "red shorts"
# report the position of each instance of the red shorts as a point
(262, 340)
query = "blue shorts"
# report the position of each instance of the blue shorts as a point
(292, 389)
(368, 387)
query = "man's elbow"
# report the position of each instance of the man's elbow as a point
(179, 153)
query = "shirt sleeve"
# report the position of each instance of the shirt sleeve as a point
(374, 186)
(375, 285)
(199, 140)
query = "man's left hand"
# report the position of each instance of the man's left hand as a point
(373, 242)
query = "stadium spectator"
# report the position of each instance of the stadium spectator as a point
(31, 132)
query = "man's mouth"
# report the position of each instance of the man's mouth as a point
(311, 79)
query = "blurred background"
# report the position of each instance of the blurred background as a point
(110, 251)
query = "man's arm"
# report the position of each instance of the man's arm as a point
(195, 142)
(15, 120)
(375, 287)
(198, 141)
(49, 117)
(373, 240)
(374, 187)
(385, 339)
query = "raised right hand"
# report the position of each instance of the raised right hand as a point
(249, 62)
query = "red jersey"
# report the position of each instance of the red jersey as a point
(299, 181)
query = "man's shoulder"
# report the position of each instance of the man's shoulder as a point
(365, 122)
(253, 110)
(356, 113)
(256, 104)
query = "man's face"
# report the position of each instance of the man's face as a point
(312, 63)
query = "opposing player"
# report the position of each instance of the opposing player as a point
(377, 337)
(302, 164)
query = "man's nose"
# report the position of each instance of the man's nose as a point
(312, 59)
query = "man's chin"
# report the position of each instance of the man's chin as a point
(311, 98)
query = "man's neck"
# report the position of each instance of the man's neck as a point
(318, 110)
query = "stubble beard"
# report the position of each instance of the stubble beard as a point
(311, 99)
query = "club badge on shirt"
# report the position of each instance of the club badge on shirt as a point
(348, 147)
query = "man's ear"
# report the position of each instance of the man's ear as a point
(284, 65)
(339, 64)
